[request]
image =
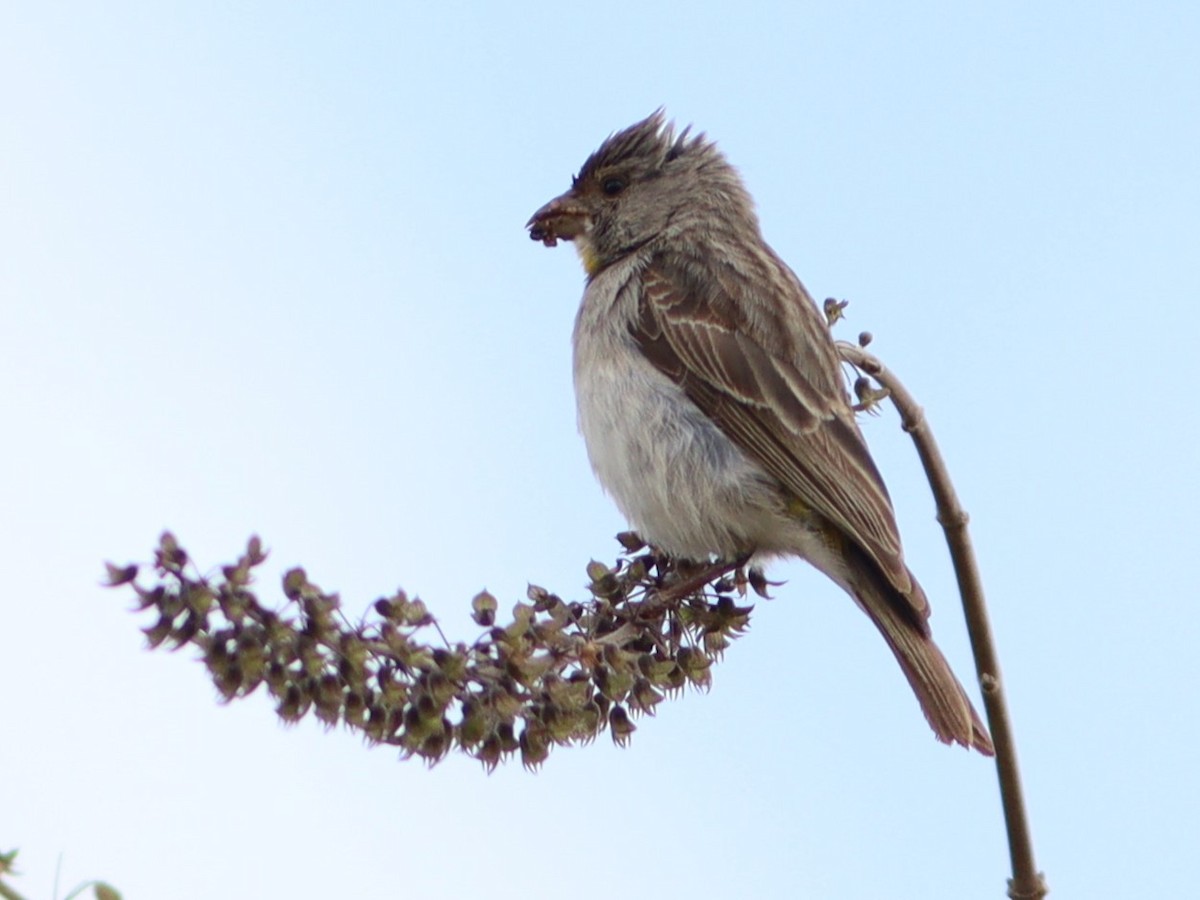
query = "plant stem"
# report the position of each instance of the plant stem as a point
(1027, 882)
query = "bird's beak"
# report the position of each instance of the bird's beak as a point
(563, 217)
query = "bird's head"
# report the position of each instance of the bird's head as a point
(642, 183)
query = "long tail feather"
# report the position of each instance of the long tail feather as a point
(943, 700)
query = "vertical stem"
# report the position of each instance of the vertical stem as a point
(1027, 882)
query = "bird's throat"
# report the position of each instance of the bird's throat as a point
(587, 254)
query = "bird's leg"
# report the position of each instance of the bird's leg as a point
(706, 573)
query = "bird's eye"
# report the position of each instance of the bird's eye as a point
(612, 186)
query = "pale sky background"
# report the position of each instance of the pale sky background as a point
(263, 270)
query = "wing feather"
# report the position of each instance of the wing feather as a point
(778, 406)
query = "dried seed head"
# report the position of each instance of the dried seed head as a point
(620, 726)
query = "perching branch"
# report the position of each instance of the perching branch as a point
(559, 673)
(1027, 882)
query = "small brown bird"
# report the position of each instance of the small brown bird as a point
(710, 394)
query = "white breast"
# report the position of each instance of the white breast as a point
(681, 483)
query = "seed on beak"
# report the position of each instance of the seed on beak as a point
(563, 218)
(543, 234)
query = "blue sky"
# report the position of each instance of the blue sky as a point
(264, 271)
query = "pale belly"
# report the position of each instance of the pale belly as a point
(681, 483)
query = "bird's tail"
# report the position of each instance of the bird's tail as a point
(943, 700)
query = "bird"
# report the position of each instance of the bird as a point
(710, 395)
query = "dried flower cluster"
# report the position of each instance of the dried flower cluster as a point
(558, 673)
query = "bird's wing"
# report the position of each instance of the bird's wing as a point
(776, 392)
